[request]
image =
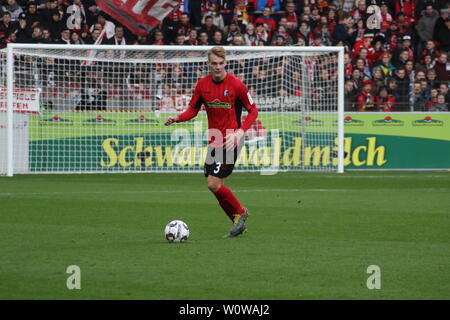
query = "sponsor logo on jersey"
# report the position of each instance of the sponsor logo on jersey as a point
(219, 104)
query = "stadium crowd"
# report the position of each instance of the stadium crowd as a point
(396, 53)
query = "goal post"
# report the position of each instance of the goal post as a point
(101, 109)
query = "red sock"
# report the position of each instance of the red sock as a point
(228, 201)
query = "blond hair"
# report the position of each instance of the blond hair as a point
(217, 51)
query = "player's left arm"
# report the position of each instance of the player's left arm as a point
(234, 138)
(250, 106)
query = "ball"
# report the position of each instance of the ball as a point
(176, 231)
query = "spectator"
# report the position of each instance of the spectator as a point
(407, 9)
(46, 36)
(366, 99)
(47, 11)
(386, 17)
(440, 105)
(331, 20)
(231, 32)
(393, 88)
(426, 90)
(217, 39)
(13, 8)
(209, 27)
(266, 19)
(363, 68)
(158, 38)
(360, 31)
(56, 25)
(429, 63)
(240, 15)
(378, 78)
(291, 16)
(403, 90)
(432, 100)
(432, 79)
(250, 37)
(344, 30)
(217, 18)
(386, 67)
(356, 79)
(194, 9)
(406, 45)
(93, 37)
(324, 35)
(37, 36)
(404, 27)
(179, 40)
(401, 59)
(7, 26)
(430, 49)
(349, 96)
(409, 68)
(418, 100)
(192, 40)
(360, 12)
(261, 33)
(32, 16)
(440, 22)
(348, 66)
(385, 102)
(203, 39)
(106, 25)
(420, 75)
(443, 89)
(64, 37)
(305, 31)
(227, 9)
(118, 38)
(443, 36)
(75, 38)
(363, 54)
(238, 41)
(392, 37)
(425, 27)
(170, 24)
(183, 26)
(442, 68)
(23, 34)
(281, 31)
(365, 43)
(346, 6)
(280, 40)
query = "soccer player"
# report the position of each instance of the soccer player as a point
(223, 95)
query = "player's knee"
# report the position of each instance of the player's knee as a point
(213, 186)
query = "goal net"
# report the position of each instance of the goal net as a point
(94, 109)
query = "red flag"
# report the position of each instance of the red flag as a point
(139, 16)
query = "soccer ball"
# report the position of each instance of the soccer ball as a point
(176, 231)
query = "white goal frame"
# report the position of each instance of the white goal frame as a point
(10, 81)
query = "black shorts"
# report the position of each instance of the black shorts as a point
(220, 162)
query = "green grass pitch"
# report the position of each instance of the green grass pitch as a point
(311, 236)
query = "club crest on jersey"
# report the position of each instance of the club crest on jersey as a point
(226, 93)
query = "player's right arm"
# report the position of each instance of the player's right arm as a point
(194, 107)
